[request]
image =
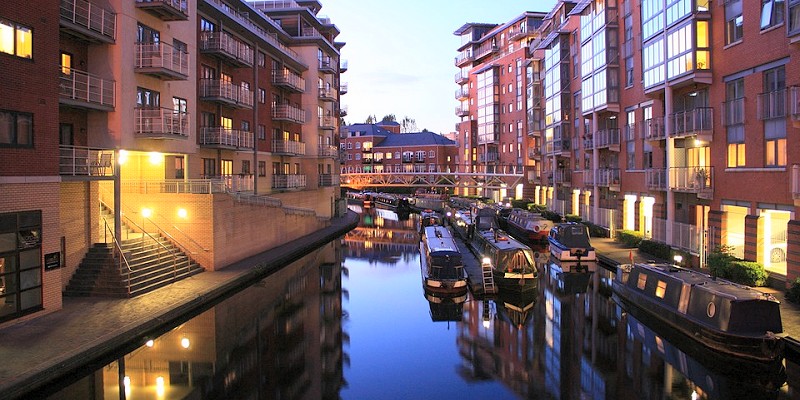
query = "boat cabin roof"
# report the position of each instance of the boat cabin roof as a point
(503, 241)
(439, 239)
(719, 287)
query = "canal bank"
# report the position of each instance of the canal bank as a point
(52, 348)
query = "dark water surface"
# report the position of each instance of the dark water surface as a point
(352, 321)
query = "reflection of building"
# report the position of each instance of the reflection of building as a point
(281, 338)
(381, 236)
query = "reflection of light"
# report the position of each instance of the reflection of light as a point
(149, 343)
(486, 323)
(694, 395)
(185, 343)
(678, 259)
(486, 260)
(182, 213)
(126, 382)
(146, 212)
(160, 386)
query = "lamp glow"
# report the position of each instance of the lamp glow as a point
(160, 386)
(147, 213)
(486, 260)
(123, 157)
(678, 258)
(185, 343)
(149, 343)
(155, 158)
(182, 213)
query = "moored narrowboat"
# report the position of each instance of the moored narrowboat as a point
(513, 263)
(724, 316)
(528, 226)
(440, 261)
(569, 241)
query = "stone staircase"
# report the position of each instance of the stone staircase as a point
(153, 260)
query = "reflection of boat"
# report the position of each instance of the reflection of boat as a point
(513, 265)
(571, 276)
(569, 241)
(718, 376)
(445, 307)
(729, 318)
(516, 308)
(440, 261)
(528, 226)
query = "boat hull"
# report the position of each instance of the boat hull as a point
(563, 253)
(527, 235)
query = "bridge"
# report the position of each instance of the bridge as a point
(496, 178)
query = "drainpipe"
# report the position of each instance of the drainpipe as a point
(596, 164)
(117, 198)
(257, 100)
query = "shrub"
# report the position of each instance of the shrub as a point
(596, 230)
(793, 294)
(572, 218)
(523, 204)
(537, 208)
(655, 249)
(629, 238)
(719, 258)
(552, 216)
(744, 272)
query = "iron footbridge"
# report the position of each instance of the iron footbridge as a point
(501, 178)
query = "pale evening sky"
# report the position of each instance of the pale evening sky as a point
(400, 54)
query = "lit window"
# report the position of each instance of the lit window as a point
(16, 39)
(642, 281)
(661, 290)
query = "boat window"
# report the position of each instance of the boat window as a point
(642, 281)
(711, 310)
(661, 290)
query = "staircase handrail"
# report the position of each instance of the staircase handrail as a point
(174, 256)
(118, 248)
(175, 241)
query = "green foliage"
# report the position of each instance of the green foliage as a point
(655, 249)
(793, 294)
(629, 238)
(719, 258)
(552, 216)
(596, 231)
(537, 208)
(523, 204)
(745, 272)
(573, 218)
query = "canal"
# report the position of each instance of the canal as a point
(352, 321)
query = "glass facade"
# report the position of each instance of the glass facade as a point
(20, 263)
(488, 106)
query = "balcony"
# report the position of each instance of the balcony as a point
(328, 151)
(162, 61)
(84, 90)
(608, 177)
(607, 139)
(342, 111)
(225, 93)
(462, 111)
(463, 58)
(588, 143)
(563, 176)
(462, 78)
(699, 179)
(653, 129)
(287, 79)
(698, 122)
(630, 132)
(288, 147)
(327, 94)
(772, 105)
(326, 65)
(490, 157)
(285, 112)
(795, 105)
(342, 66)
(462, 94)
(225, 138)
(81, 163)
(485, 49)
(87, 21)
(327, 122)
(535, 153)
(166, 10)
(408, 159)
(558, 146)
(328, 180)
(733, 112)
(656, 179)
(368, 160)
(161, 123)
(343, 88)
(229, 49)
(281, 182)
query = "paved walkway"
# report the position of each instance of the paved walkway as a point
(47, 349)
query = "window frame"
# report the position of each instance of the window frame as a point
(14, 133)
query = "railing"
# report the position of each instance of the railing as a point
(588, 143)
(327, 93)
(461, 77)
(343, 65)
(462, 111)
(656, 178)
(118, 253)
(684, 236)
(288, 147)
(607, 138)
(534, 153)
(557, 145)
(563, 175)
(193, 186)
(328, 151)
(691, 122)
(630, 132)
(288, 112)
(463, 58)
(181, 6)
(733, 112)
(327, 122)
(487, 157)
(697, 179)
(588, 178)
(343, 88)
(237, 183)
(772, 105)
(90, 16)
(795, 103)
(85, 87)
(607, 176)
(85, 161)
(288, 181)
(161, 121)
(215, 88)
(286, 77)
(162, 55)
(653, 129)
(225, 43)
(342, 111)
(326, 65)
(796, 181)
(244, 19)
(158, 243)
(328, 180)
(462, 94)
(226, 137)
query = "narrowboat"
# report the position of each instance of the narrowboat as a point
(724, 316)
(429, 218)
(569, 241)
(461, 221)
(429, 201)
(512, 262)
(528, 226)
(392, 202)
(440, 262)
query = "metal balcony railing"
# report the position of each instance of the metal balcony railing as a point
(607, 138)
(342, 111)
(488, 157)
(161, 122)
(327, 180)
(462, 111)
(461, 77)
(287, 112)
(343, 88)
(733, 112)
(463, 58)
(328, 94)
(699, 179)
(288, 147)
(343, 64)
(326, 65)
(327, 122)
(288, 181)
(772, 105)
(462, 94)
(328, 151)
(607, 176)
(588, 143)
(630, 132)
(100, 23)
(653, 129)
(288, 79)
(692, 122)
(162, 59)
(85, 161)
(226, 92)
(227, 46)
(795, 102)
(656, 178)
(79, 87)
(219, 136)
(563, 176)
(167, 10)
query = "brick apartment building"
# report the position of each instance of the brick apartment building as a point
(381, 148)
(204, 120)
(672, 118)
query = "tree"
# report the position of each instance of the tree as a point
(370, 119)
(408, 125)
(389, 118)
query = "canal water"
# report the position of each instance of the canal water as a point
(352, 321)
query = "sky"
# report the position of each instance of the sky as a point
(400, 55)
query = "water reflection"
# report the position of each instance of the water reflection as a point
(291, 337)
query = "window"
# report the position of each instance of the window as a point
(66, 63)
(16, 39)
(16, 129)
(246, 167)
(146, 34)
(262, 60)
(262, 168)
(661, 290)
(179, 105)
(207, 26)
(775, 117)
(262, 132)
(734, 21)
(246, 126)
(147, 98)
(771, 13)
(794, 16)
(20, 263)
(209, 168)
(262, 96)
(734, 122)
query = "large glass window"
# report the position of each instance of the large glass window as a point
(653, 63)
(734, 22)
(652, 18)
(771, 13)
(775, 116)
(734, 122)
(794, 16)
(16, 39)
(20, 263)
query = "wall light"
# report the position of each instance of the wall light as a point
(160, 386)
(182, 213)
(123, 157)
(678, 258)
(156, 158)
(147, 213)
(185, 343)
(149, 343)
